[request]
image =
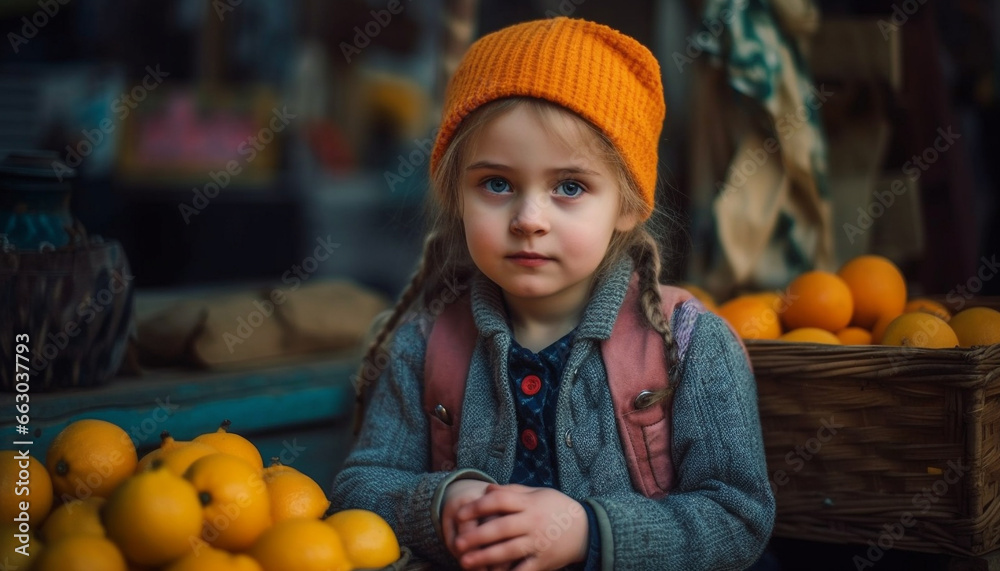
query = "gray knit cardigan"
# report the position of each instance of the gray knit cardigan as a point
(720, 513)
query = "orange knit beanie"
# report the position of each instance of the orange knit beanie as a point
(602, 75)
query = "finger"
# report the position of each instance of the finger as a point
(493, 530)
(461, 529)
(450, 528)
(528, 564)
(498, 502)
(512, 487)
(504, 553)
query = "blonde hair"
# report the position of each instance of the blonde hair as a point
(446, 257)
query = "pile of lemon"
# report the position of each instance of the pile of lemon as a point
(865, 302)
(208, 504)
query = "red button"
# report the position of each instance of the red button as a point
(529, 439)
(531, 385)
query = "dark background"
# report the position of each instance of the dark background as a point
(327, 182)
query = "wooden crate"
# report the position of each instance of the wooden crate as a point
(891, 445)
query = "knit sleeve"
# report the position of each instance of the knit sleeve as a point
(388, 469)
(720, 512)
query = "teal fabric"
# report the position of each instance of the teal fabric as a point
(754, 76)
(747, 47)
(719, 515)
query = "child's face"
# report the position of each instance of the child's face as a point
(524, 190)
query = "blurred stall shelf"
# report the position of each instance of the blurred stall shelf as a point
(299, 412)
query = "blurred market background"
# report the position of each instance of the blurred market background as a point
(184, 86)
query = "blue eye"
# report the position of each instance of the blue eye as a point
(571, 188)
(497, 185)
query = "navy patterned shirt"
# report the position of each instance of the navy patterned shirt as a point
(534, 379)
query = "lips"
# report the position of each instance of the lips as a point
(529, 259)
(529, 256)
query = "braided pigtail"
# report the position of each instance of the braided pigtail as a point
(645, 255)
(373, 362)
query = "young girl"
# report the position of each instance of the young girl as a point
(544, 174)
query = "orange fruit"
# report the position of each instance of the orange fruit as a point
(176, 455)
(169, 444)
(235, 506)
(19, 546)
(701, 295)
(818, 299)
(927, 306)
(854, 336)
(810, 335)
(751, 317)
(774, 299)
(303, 544)
(146, 462)
(293, 494)
(206, 558)
(34, 489)
(81, 553)
(90, 457)
(878, 331)
(75, 517)
(233, 444)
(878, 288)
(919, 329)
(367, 538)
(976, 326)
(153, 517)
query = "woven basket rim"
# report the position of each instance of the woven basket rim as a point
(971, 367)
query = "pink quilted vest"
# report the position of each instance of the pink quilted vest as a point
(633, 357)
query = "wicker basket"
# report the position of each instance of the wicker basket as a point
(75, 306)
(891, 445)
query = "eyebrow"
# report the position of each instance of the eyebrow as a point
(501, 167)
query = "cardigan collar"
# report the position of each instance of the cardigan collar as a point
(598, 318)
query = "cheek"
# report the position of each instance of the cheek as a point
(587, 240)
(482, 233)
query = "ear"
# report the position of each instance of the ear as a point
(626, 222)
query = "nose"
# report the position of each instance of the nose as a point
(529, 217)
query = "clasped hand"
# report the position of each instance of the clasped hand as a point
(492, 527)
